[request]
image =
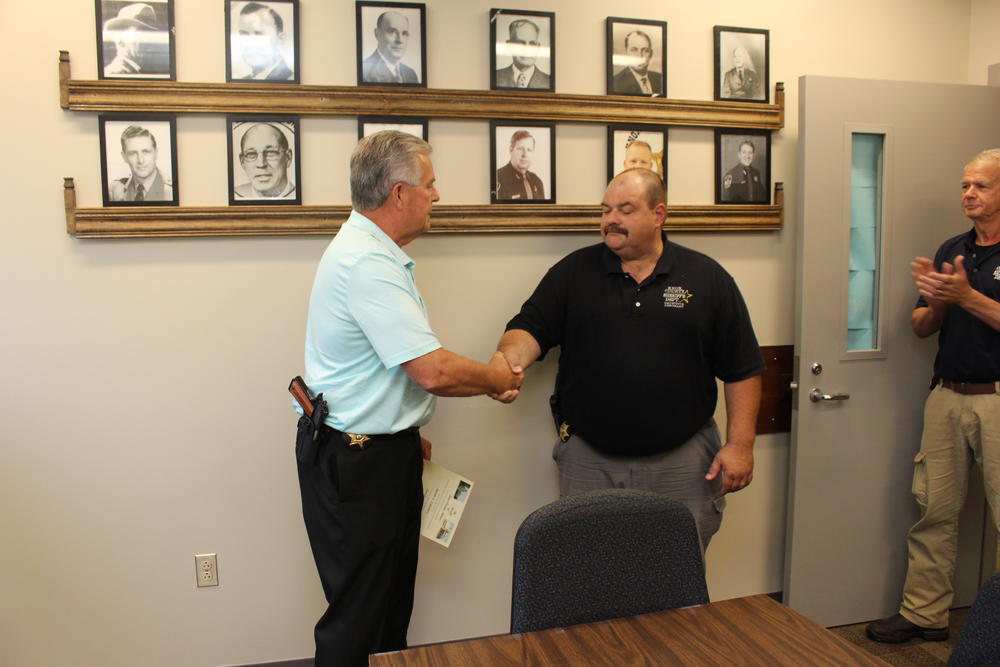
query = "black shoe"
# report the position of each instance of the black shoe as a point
(896, 629)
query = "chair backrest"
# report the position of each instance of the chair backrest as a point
(605, 554)
(979, 643)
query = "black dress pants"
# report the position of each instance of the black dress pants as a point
(362, 513)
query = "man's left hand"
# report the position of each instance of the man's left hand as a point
(736, 465)
(425, 445)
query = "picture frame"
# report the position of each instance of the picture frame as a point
(371, 124)
(742, 176)
(637, 146)
(522, 51)
(264, 160)
(636, 57)
(522, 172)
(391, 43)
(742, 64)
(262, 41)
(135, 40)
(138, 159)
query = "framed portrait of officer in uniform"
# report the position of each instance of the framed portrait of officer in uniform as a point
(139, 159)
(631, 146)
(392, 43)
(522, 50)
(371, 124)
(523, 162)
(135, 40)
(742, 64)
(742, 166)
(636, 57)
(264, 164)
(262, 41)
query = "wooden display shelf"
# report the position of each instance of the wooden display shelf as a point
(218, 98)
(156, 221)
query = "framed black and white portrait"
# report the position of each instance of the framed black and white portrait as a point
(522, 52)
(742, 63)
(392, 44)
(139, 159)
(742, 166)
(371, 124)
(523, 162)
(636, 57)
(264, 165)
(637, 146)
(262, 41)
(135, 40)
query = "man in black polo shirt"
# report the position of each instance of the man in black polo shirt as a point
(645, 327)
(960, 298)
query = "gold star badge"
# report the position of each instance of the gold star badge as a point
(358, 440)
(564, 431)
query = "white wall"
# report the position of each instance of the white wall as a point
(143, 414)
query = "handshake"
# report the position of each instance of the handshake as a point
(509, 376)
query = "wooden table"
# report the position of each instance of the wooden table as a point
(753, 630)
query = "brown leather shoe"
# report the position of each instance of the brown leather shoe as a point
(896, 629)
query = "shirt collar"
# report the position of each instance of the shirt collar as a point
(264, 73)
(366, 225)
(527, 71)
(392, 67)
(613, 263)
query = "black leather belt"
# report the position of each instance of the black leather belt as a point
(360, 441)
(970, 387)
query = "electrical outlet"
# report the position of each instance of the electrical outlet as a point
(207, 570)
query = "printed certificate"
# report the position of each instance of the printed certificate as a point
(445, 495)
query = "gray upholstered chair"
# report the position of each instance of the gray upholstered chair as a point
(605, 554)
(979, 643)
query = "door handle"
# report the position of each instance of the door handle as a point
(817, 395)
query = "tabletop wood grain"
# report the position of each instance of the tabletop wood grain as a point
(752, 630)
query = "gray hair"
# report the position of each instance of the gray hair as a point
(381, 160)
(987, 155)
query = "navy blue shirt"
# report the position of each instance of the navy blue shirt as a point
(638, 363)
(968, 348)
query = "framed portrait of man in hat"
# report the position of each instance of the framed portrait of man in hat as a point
(135, 40)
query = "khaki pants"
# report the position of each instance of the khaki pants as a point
(958, 429)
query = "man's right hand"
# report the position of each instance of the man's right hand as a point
(511, 377)
(922, 270)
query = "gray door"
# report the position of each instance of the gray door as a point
(850, 504)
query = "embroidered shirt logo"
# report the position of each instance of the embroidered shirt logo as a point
(676, 297)
(996, 273)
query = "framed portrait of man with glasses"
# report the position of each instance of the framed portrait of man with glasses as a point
(264, 161)
(637, 57)
(522, 55)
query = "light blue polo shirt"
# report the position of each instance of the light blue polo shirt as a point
(366, 318)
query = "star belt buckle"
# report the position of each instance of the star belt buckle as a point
(358, 440)
(564, 431)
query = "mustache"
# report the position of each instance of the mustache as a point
(614, 227)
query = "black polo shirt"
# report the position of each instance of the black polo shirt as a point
(638, 362)
(968, 348)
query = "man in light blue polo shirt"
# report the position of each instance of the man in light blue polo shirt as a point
(372, 353)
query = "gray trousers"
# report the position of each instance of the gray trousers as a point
(678, 474)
